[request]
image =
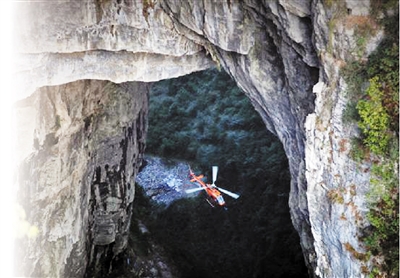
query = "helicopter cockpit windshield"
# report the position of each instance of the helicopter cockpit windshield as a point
(220, 200)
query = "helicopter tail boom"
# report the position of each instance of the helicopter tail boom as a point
(188, 191)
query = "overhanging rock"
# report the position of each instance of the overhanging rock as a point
(275, 50)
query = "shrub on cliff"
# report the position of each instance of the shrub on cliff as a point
(374, 105)
(374, 122)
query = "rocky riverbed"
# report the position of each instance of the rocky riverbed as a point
(164, 180)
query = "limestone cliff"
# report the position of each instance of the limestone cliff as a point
(275, 50)
(77, 185)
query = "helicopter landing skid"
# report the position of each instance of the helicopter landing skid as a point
(210, 203)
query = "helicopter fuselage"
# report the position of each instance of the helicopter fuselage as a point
(214, 193)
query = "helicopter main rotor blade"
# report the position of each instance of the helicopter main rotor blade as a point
(194, 190)
(227, 192)
(214, 174)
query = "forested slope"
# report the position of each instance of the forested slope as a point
(205, 118)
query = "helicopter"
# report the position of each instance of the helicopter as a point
(213, 191)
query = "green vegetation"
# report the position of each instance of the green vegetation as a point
(382, 238)
(373, 88)
(205, 119)
(374, 122)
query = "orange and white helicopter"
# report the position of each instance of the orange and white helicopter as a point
(213, 191)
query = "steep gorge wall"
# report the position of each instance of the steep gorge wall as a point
(77, 185)
(275, 50)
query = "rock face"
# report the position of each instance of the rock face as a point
(275, 50)
(164, 183)
(105, 40)
(77, 186)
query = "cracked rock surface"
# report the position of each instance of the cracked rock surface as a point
(77, 186)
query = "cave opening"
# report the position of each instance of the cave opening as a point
(204, 119)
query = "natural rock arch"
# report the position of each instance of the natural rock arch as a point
(270, 48)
